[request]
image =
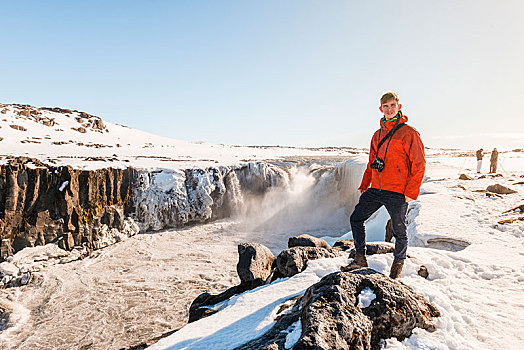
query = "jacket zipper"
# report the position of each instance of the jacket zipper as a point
(399, 174)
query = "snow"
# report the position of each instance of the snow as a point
(365, 298)
(475, 265)
(119, 146)
(63, 185)
(294, 335)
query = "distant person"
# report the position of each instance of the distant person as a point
(395, 170)
(479, 159)
(493, 161)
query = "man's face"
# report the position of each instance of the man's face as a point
(390, 108)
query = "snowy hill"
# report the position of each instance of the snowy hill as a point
(66, 137)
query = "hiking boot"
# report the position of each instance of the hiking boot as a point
(359, 262)
(396, 269)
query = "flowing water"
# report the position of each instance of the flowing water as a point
(141, 288)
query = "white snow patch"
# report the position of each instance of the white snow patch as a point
(365, 298)
(63, 185)
(294, 335)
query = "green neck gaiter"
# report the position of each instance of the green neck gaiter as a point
(394, 119)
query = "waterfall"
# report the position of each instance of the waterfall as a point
(316, 200)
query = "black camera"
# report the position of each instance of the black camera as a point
(377, 164)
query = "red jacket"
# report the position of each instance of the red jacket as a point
(405, 161)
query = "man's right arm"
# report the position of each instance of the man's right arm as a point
(366, 179)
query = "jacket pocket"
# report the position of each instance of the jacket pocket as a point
(399, 174)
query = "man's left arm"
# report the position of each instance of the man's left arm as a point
(417, 160)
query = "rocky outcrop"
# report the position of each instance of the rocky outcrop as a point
(332, 317)
(174, 198)
(41, 203)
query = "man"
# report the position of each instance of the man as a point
(493, 161)
(479, 159)
(395, 170)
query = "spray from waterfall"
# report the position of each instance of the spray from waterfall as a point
(316, 200)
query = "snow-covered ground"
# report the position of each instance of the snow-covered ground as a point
(117, 146)
(478, 289)
(141, 288)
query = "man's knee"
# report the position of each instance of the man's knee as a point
(354, 220)
(399, 228)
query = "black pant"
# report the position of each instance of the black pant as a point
(371, 201)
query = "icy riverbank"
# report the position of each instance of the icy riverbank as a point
(476, 277)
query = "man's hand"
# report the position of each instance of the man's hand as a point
(408, 199)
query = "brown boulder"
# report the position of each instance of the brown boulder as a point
(465, 177)
(255, 262)
(344, 244)
(307, 241)
(499, 189)
(294, 260)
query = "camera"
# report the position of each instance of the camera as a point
(377, 164)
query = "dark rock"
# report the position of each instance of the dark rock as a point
(379, 248)
(18, 127)
(57, 109)
(465, 177)
(423, 271)
(331, 318)
(294, 260)
(202, 306)
(48, 122)
(344, 244)
(499, 189)
(255, 261)
(307, 241)
(98, 124)
(36, 208)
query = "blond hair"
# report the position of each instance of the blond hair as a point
(388, 96)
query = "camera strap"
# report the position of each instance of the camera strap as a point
(390, 134)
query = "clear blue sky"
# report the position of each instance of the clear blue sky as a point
(273, 72)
